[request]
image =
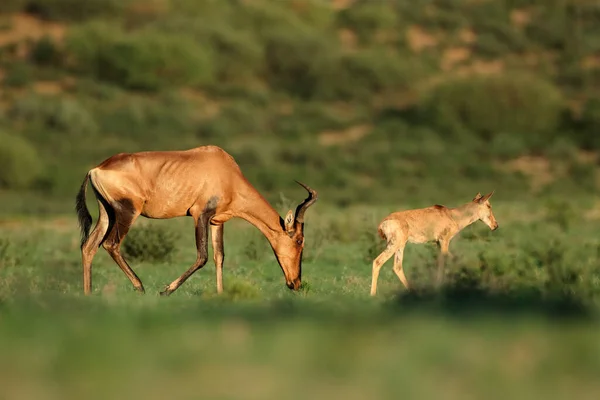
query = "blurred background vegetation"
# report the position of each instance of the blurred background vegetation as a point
(379, 105)
(372, 102)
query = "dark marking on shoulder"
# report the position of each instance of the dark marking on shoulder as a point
(439, 207)
(211, 204)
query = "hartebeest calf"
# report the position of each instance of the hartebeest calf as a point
(205, 183)
(432, 224)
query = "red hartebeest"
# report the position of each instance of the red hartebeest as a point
(436, 223)
(205, 183)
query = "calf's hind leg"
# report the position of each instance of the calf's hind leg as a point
(398, 269)
(378, 263)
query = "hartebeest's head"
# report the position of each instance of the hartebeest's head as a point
(484, 210)
(291, 243)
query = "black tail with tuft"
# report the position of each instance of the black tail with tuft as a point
(83, 214)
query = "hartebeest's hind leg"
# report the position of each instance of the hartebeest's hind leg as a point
(378, 263)
(398, 269)
(202, 247)
(92, 244)
(125, 214)
(216, 234)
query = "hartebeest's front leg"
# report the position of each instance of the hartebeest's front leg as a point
(202, 256)
(216, 234)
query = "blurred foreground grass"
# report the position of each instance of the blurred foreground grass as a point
(71, 348)
(518, 318)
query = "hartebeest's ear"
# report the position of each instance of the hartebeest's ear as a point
(477, 197)
(486, 197)
(289, 222)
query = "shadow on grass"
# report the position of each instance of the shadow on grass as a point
(469, 301)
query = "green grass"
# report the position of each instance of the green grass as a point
(272, 84)
(514, 328)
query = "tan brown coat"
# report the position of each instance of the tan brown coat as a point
(432, 224)
(204, 183)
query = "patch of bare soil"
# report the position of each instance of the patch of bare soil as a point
(47, 87)
(418, 39)
(453, 56)
(285, 108)
(591, 62)
(341, 4)
(58, 224)
(352, 134)
(537, 169)
(520, 18)
(482, 67)
(348, 39)
(588, 157)
(25, 26)
(207, 107)
(594, 212)
(467, 36)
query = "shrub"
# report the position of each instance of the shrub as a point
(372, 243)
(144, 119)
(236, 118)
(486, 105)
(141, 60)
(238, 54)
(367, 18)
(256, 247)
(149, 243)
(19, 74)
(20, 164)
(8, 253)
(45, 52)
(75, 10)
(589, 125)
(56, 113)
(375, 70)
(297, 59)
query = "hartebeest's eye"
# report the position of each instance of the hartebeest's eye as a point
(299, 242)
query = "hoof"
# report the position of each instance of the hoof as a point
(140, 290)
(165, 292)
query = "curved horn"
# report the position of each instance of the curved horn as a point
(301, 209)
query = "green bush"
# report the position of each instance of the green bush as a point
(75, 10)
(236, 118)
(367, 18)
(45, 52)
(9, 6)
(149, 243)
(298, 60)
(55, 113)
(588, 132)
(145, 119)
(487, 105)
(373, 71)
(140, 60)
(20, 164)
(18, 74)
